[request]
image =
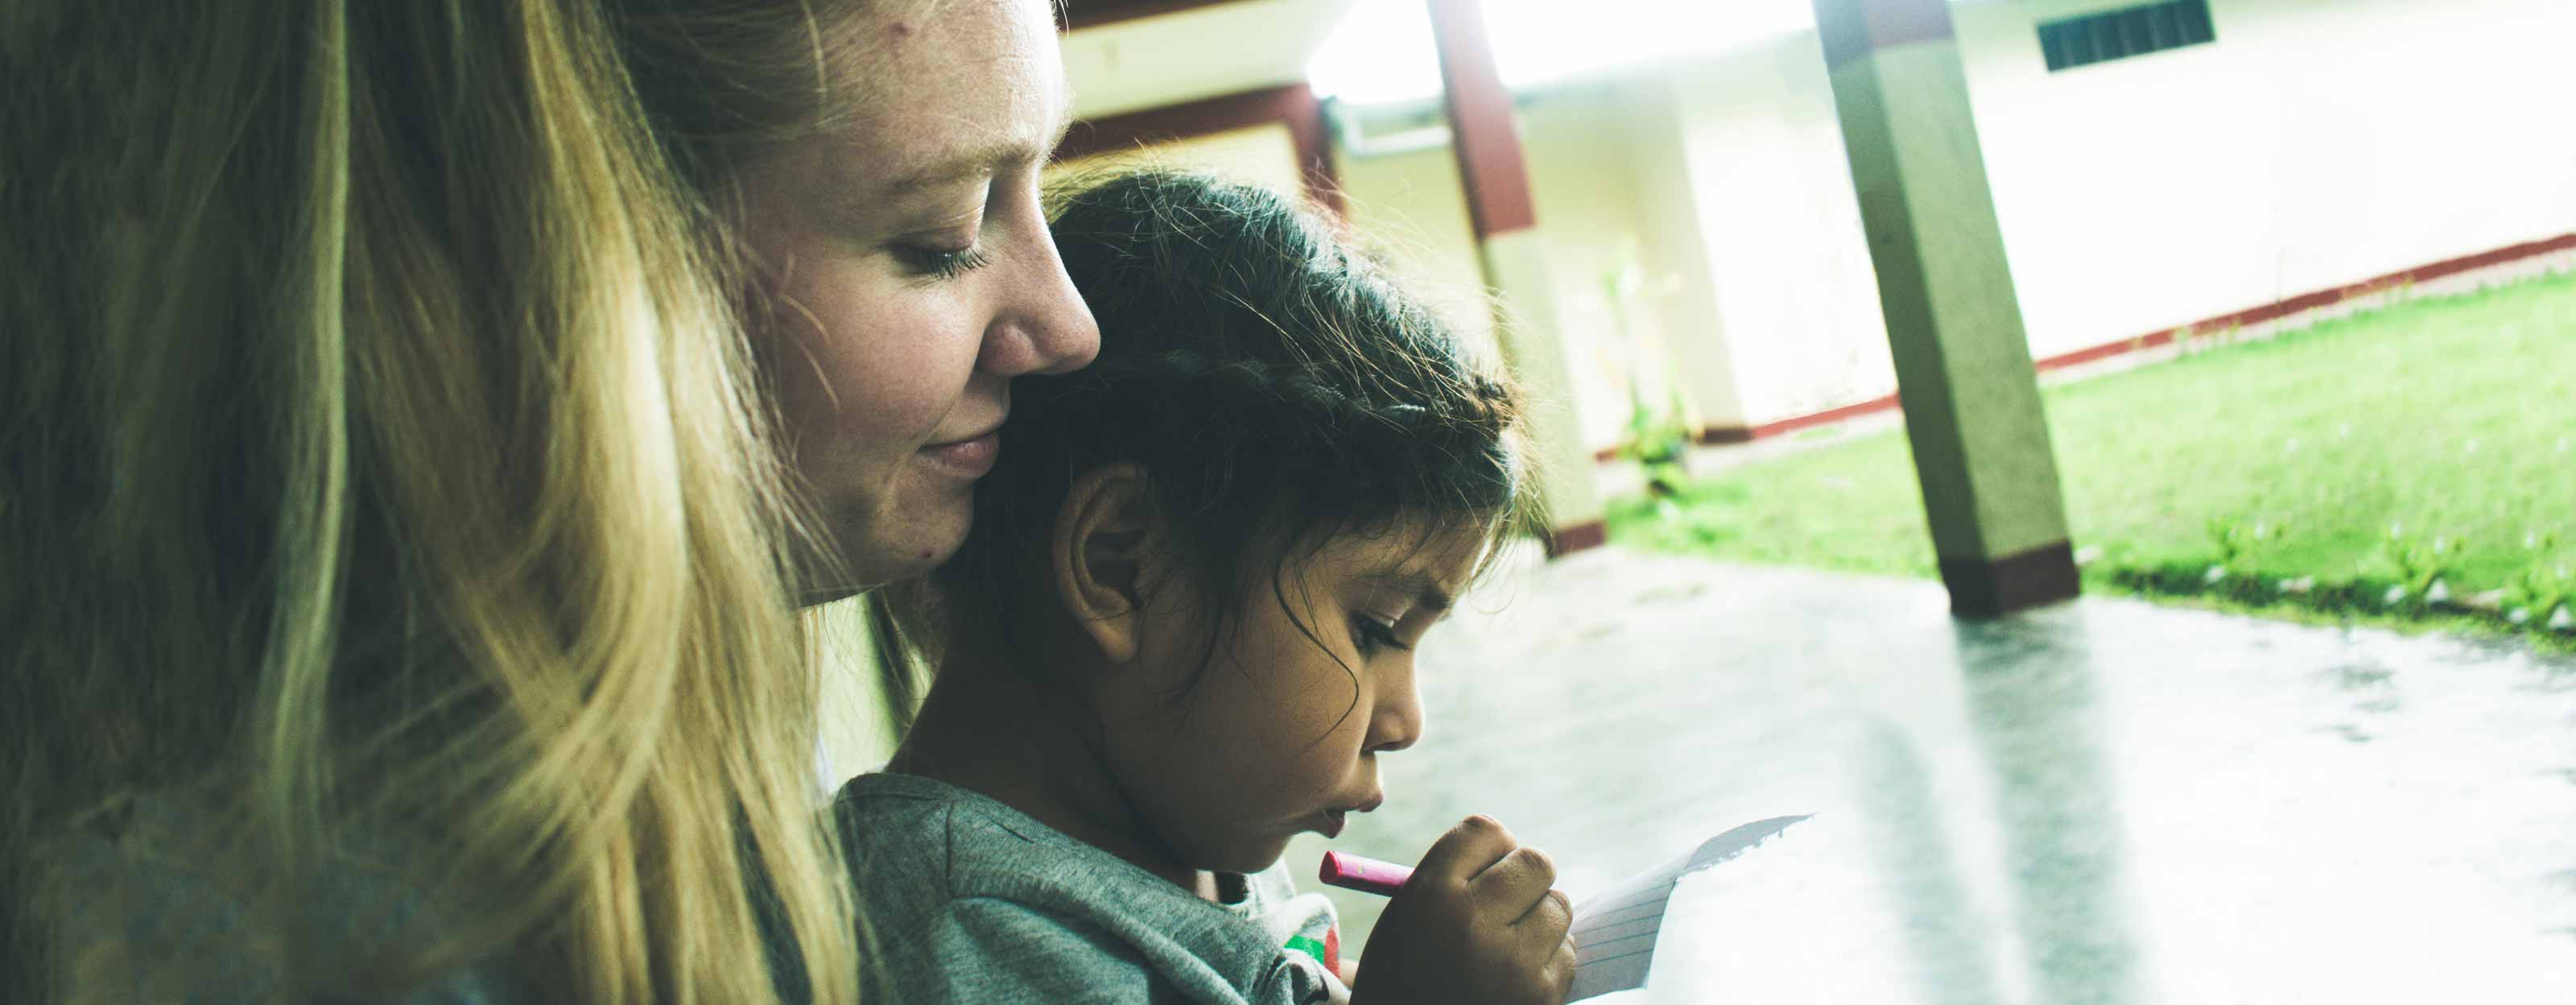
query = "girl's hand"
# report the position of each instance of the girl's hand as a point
(1477, 923)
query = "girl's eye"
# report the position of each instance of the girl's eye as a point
(1376, 636)
(942, 263)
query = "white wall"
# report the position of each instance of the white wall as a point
(1795, 293)
(1606, 186)
(1265, 154)
(2316, 143)
(1594, 153)
(1724, 182)
(1409, 209)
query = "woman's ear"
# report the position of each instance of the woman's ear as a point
(1104, 554)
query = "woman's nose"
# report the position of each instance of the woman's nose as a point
(1044, 327)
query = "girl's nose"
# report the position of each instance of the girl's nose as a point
(1397, 721)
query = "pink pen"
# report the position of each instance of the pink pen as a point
(1367, 875)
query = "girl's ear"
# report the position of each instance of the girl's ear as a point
(1104, 552)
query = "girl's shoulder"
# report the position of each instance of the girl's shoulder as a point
(971, 900)
(918, 844)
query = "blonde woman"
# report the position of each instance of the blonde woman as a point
(421, 422)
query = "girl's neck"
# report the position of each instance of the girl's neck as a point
(990, 730)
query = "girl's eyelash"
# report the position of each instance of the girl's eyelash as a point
(945, 264)
(1375, 635)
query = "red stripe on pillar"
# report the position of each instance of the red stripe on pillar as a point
(1853, 29)
(1994, 587)
(1315, 149)
(1480, 121)
(1585, 536)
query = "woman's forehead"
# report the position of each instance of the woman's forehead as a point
(944, 84)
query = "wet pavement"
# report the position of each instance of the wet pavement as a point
(2104, 801)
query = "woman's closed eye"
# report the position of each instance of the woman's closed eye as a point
(941, 263)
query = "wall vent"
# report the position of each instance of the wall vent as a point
(2129, 31)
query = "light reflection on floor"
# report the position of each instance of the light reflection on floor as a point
(2105, 801)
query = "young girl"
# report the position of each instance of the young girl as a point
(1182, 631)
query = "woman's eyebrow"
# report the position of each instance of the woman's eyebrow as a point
(981, 162)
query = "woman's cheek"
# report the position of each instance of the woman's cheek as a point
(896, 363)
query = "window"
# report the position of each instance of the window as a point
(2129, 31)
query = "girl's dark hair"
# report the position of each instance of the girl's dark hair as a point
(1276, 386)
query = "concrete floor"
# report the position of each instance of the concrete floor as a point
(2105, 801)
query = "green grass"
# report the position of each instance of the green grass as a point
(2449, 419)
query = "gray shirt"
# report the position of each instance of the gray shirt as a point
(969, 900)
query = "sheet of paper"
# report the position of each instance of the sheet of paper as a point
(1615, 931)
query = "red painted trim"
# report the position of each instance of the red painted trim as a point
(2499, 256)
(1854, 29)
(1075, 15)
(2155, 339)
(2311, 301)
(1994, 587)
(1567, 540)
(2107, 350)
(1824, 418)
(1487, 145)
(1293, 105)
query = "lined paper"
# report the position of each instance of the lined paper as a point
(1615, 932)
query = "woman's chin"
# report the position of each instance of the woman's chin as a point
(873, 553)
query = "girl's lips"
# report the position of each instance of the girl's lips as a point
(967, 459)
(1335, 820)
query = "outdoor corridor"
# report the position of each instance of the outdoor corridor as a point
(2104, 801)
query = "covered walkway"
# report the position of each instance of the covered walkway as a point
(2098, 801)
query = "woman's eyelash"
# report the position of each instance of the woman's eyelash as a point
(939, 263)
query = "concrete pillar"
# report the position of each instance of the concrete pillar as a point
(1963, 365)
(1515, 259)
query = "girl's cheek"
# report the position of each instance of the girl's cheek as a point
(1308, 741)
(1331, 722)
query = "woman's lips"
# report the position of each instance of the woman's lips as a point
(1333, 820)
(967, 459)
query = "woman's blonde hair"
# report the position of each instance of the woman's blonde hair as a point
(390, 518)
